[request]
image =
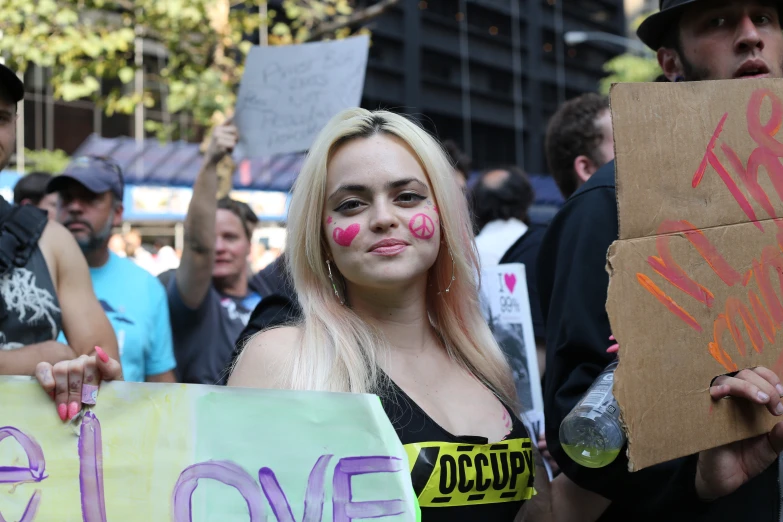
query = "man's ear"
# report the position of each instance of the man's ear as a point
(584, 168)
(670, 63)
(118, 210)
(26, 201)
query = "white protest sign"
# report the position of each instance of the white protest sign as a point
(288, 93)
(506, 306)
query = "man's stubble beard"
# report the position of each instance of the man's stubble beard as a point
(96, 239)
(693, 73)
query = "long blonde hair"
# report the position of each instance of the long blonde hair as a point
(339, 351)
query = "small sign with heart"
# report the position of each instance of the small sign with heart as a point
(505, 302)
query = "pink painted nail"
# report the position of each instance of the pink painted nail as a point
(101, 354)
(613, 349)
(611, 338)
(73, 409)
(62, 411)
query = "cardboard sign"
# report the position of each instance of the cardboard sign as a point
(289, 93)
(696, 285)
(506, 306)
(198, 453)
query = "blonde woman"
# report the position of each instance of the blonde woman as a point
(383, 262)
(382, 257)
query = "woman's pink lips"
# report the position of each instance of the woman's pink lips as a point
(389, 250)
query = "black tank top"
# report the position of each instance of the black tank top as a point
(33, 311)
(462, 478)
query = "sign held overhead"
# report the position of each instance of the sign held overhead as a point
(696, 278)
(289, 93)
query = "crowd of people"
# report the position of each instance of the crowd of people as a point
(377, 290)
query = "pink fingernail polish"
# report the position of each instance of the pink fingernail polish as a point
(62, 411)
(73, 409)
(101, 354)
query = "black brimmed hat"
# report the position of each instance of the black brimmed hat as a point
(11, 83)
(653, 29)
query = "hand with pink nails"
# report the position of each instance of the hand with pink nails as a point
(615, 347)
(72, 383)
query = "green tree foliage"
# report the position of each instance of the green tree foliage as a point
(631, 67)
(51, 161)
(89, 44)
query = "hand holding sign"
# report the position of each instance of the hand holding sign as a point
(224, 138)
(722, 470)
(67, 381)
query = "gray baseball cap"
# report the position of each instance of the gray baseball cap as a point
(97, 174)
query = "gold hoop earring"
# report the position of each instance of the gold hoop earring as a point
(446, 291)
(334, 286)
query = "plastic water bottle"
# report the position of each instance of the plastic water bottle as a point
(592, 434)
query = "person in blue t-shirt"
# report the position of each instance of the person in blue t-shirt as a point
(90, 204)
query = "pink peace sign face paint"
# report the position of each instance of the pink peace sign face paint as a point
(421, 226)
(344, 237)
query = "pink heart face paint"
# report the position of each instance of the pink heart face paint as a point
(421, 226)
(329, 220)
(345, 237)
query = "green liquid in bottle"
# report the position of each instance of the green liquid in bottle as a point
(592, 435)
(591, 457)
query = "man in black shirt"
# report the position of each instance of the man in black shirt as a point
(695, 40)
(44, 280)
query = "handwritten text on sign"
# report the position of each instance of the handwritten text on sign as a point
(362, 482)
(761, 316)
(696, 276)
(288, 93)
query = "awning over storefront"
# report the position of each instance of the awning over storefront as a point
(177, 164)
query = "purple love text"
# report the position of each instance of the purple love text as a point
(314, 496)
(91, 470)
(344, 509)
(33, 473)
(223, 471)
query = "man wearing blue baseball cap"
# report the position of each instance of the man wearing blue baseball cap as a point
(45, 288)
(694, 40)
(90, 205)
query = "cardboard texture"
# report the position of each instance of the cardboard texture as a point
(696, 279)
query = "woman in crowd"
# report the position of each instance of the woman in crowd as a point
(382, 258)
(383, 261)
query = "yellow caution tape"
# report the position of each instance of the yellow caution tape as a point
(445, 474)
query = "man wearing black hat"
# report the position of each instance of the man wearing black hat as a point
(90, 205)
(44, 282)
(695, 40)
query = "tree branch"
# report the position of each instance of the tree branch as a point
(358, 17)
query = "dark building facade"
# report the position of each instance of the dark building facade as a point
(488, 73)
